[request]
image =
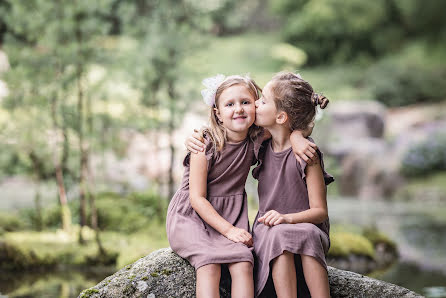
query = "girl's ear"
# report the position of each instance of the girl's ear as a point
(217, 113)
(281, 117)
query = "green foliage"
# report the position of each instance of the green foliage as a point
(399, 84)
(13, 258)
(132, 213)
(10, 222)
(290, 56)
(426, 157)
(226, 17)
(126, 214)
(337, 30)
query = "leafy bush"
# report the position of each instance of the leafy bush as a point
(337, 30)
(425, 157)
(397, 83)
(290, 56)
(131, 213)
(115, 212)
(10, 222)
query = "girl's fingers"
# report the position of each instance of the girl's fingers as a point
(309, 154)
(193, 148)
(313, 145)
(275, 218)
(270, 219)
(312, 150)
(266, 221)
(305, 158)
(198, 143)
(278, 221)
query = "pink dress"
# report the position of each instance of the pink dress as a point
(282, 188)
(190, 236)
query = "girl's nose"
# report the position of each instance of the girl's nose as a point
(239, 108)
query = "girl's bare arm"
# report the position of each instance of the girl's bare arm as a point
(197, 193)
(318, 211)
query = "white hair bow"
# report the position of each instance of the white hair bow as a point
(211, 85)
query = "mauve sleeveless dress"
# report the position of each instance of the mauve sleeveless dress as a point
(190, 236)
(282, 188)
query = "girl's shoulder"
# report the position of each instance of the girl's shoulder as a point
(302, 165)
(209, 151)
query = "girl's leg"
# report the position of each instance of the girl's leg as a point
(208, 281)
(316, 277)
(242, 280)
(284, 275)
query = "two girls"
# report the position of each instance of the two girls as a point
(207, 219)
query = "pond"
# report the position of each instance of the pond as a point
(419, 228)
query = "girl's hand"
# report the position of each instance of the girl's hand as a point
(303, 149)
(194, 143)
(239, 235)
(273, 218)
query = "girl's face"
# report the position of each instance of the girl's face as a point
(266, 108)
(236, 110)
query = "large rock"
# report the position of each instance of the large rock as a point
(165, 274)
(369, 170)
(354, 133)
(357, 119)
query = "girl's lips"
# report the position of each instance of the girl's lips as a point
(239, 118)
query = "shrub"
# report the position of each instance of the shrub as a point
(10, 222)
(399, 84)
(130, 213)
(115, 212)
(425, 157)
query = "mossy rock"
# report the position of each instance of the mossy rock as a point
(344, 244)
(164, 274)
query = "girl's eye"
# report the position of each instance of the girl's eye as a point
(229, 104)
(246, 102)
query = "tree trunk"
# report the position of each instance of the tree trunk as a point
(91, 196)
(65, 210)
(171, 128)
(38, 205)
(83, 157)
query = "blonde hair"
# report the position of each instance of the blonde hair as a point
(296, 97)
(215, 130)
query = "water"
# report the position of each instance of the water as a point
(419, 229)
(53, 284)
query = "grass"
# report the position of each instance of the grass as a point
(63, 248)
(430, 188)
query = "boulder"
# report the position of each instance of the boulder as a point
(164, 274)
(357, 119)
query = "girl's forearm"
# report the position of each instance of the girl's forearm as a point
(209, 215)
(312, 215)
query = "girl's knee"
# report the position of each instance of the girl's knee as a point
(285, 256)
(212, 269)
(241, 268)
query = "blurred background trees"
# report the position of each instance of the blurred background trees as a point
(97, 97)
